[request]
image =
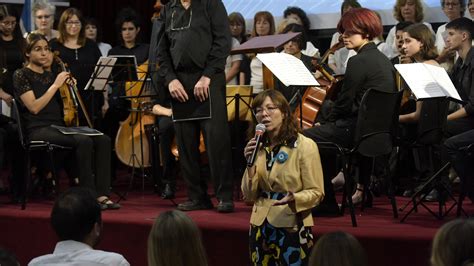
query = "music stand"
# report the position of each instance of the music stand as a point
(265, 44)
(238, 96)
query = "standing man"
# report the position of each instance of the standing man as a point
(192, 54)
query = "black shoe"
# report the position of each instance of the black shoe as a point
(192, 205)
(225, 206)
(168, 192)
(408, 192)
(432, 196)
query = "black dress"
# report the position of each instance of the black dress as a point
(91, 153)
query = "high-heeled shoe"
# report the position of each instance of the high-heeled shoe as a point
(358, 198)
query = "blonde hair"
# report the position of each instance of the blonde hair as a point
(175, 240)
(397, 10)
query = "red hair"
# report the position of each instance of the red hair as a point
(361, 21)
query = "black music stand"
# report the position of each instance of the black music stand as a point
(234, 99)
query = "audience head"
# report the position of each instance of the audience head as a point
(175, 240)
(93, 30)
(43, 12)
(237, 26)
(7, 258)
(453, 244)
(453, 9)
(460, 31)
(299, 41)
(348, 5)
(338, 249)
(70, 26)
(272, 109)
(299, 15)
(408, 10)
(419, 42)
(399, 29)
(263, 24)
(358, 26)
(76, 216)
(128, 25)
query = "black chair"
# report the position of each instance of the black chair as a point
(431, 128)
(468, 151)
(30, 146)
(374, 136)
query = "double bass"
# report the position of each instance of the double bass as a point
(314, 97)
(131, 144)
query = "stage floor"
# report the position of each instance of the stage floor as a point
(388, 242)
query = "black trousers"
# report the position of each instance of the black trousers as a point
(460, 125)
(217, 139)
(91, 155)
(11, 150)
(462, 162)
(166, 134)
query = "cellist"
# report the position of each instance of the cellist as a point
(37, 91)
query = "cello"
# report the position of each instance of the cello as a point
(131, 145)
(314, 97)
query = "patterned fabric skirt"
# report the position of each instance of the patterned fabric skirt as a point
(279, 246)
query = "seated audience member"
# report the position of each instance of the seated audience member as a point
(175, 240)
(77, 221)
(453, 244)
(7, 258)
(338, 249)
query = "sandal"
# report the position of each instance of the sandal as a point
(107, 204)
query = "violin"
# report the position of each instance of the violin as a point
(70, 97)
(71, 100)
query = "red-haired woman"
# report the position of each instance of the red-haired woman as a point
(370, 68)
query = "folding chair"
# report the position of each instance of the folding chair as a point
(30, 146)
(374, 135)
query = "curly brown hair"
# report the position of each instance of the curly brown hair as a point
(289, 128)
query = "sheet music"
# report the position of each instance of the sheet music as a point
(288, 69)
(420, 80)
(101, 73)
(443, 79)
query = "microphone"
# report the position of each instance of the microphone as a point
(259, 130)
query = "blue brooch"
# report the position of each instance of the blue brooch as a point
(282, 157)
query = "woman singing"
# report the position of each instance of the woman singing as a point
(285, 183)
(37, 90)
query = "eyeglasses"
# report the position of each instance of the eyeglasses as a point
(73, 23)
(173, 28)
(43, 17)
(269, 110)
(8, 23)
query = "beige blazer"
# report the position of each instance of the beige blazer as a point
(301, 173)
